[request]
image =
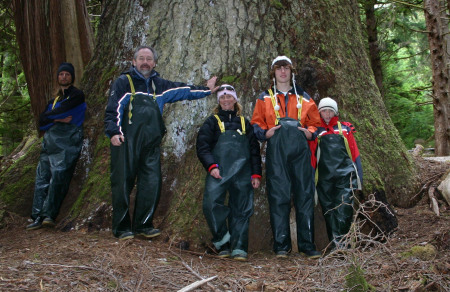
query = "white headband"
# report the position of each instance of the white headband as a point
(281, 58)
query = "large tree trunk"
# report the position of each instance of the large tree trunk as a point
(235, 40)
(436, 17)
(48, 33)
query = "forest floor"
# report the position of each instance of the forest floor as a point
(416, 257)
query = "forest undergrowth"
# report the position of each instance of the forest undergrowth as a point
(415, 257)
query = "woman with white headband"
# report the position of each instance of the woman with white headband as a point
(286, 117)
(230, 153)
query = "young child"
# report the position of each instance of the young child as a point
(339, 170)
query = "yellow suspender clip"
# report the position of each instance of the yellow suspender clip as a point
(277, 113)
(222, 126)
(274, 104)
(345, 140)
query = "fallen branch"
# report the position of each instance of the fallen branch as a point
(192, 271)
(433, 202)
(427, 185)
(196, 284)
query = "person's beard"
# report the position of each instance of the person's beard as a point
(145, 72)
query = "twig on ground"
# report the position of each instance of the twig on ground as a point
(139, 274)
(192, 271)
(196, 284)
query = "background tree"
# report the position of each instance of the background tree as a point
(49, 33)
(436, 16)
(14, 99)
(236, 41)
(397, 35)
(372, 40)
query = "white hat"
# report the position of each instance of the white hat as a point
(281, 58)
(226, 89)
(328, 103)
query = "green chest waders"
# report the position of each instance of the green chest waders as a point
(290, 174)
(232, 153)
(61, 147)
(337, 178)
(137, 160)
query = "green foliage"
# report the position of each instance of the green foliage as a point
(277, 4)
(17, 180)
(228, 79)
(14, 98)
(407, 74)
(408, 78)
(424, 253)
(355, 280)
(94, 8)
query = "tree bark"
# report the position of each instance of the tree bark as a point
(48, 33)
(436, 17)
(235, 40)
(374, 49)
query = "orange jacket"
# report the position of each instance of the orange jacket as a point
(264, 113)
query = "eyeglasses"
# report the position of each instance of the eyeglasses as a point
(230, 88)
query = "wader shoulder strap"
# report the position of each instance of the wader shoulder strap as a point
(242, 125)
(274, 103)
(133, 92)
(299, 111)
(345, 140)
(54, 102)
(154, 90)
(316, 177)
(350, 155)
(221, 125)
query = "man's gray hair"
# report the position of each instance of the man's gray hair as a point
(155, 55)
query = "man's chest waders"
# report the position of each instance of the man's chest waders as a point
(61, 147)
(289, 173)
(137, 158)
(232, 153)
(337, 178)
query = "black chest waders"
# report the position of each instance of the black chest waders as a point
(61, 147)
(337, 178)
(232, 153)
(137, 160)
(290, 175)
